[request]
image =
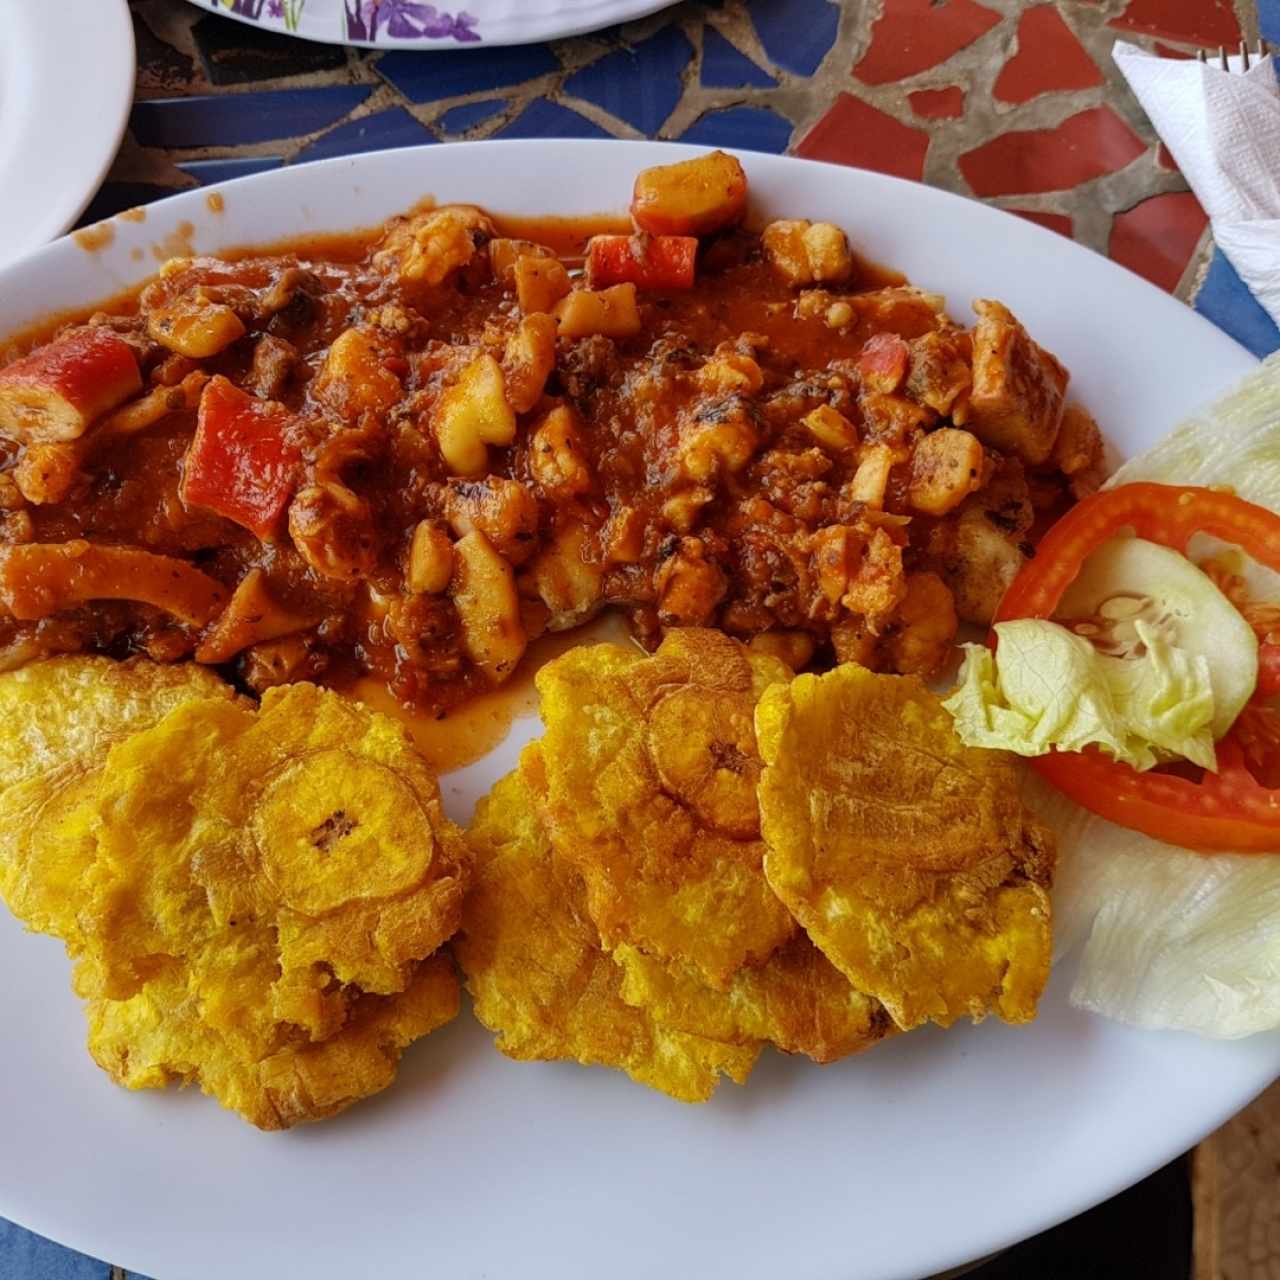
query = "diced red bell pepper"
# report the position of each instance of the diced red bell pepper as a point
(57, 391)
(648, 262)
(241, 464)
(883, 362)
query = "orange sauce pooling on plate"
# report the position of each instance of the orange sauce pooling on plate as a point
(468, 732)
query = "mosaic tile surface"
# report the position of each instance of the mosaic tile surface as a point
(1014, 102)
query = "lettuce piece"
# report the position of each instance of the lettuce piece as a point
(1165, 697)
(1234, 441)
(1050, 688)
(1046, 691)
(1174, 940)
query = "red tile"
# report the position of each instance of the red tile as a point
(938, 104)
(1049, 58)
(1164, 158)
(853, 132)
(1082, 147)
(1196, 21)
(1157, 237)
(1058, 222)
(914, 35)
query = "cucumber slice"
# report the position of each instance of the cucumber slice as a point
(1130, 578)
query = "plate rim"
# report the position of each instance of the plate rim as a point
(94, 26)
(171, 210)
(595, 17)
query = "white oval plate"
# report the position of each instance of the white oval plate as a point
(449, 24)
(928, 1151)
(66, 84)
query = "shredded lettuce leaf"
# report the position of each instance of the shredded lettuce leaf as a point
(1174, 940)
(1047, 687)
(1235, 441)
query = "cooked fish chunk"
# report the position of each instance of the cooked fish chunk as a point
(941, 371)
(1079, 452)
(946, 467)
(428, 247)
(977, 561)
(1019, 388)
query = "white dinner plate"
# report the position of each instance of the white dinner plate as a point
(66, 83)
(449, 24)
(930, 1150)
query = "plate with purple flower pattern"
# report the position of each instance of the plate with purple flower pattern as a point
(413, 24)
(66, 84)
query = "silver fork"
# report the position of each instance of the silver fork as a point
(1262, 51)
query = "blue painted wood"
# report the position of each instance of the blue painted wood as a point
(218, 120)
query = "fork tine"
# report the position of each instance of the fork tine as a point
(1263, 48)
(1244, 55)
(1222, 57)
(1201, 56)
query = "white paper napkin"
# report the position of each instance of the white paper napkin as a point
(1223, 129)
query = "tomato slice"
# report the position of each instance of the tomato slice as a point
(1268, 670)
(1164, 513)
(1226, 811)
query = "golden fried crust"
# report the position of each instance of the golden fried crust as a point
(534, 966)
(797, 1000)
(60, 717)
(158, 1036)
(651, 768)
(908, 857)
(311, 830)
